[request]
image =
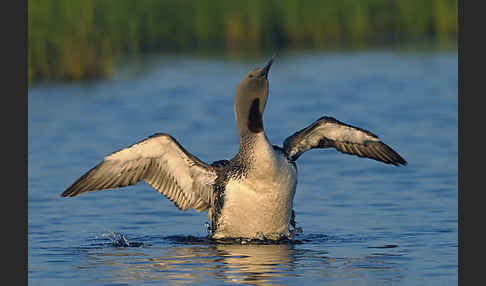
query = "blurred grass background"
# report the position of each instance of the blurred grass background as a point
(75, 40)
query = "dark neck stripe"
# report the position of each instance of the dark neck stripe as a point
(255, 122)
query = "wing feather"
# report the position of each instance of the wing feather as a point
(328, 132)
(357, 151)
(381, 153)
(161, 162)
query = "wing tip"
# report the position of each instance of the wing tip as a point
(402, 162)
(398, 163)
(66, 194)
(397, 160)
(69, 192)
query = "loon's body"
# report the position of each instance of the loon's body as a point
(258, 193)
(249, 196)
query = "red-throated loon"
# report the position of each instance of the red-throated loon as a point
(249, 196)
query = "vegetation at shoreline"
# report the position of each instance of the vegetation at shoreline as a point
(74, 40)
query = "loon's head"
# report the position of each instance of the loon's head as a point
(250, 100)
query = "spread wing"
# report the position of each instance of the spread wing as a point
(158, 160)
(327, 132)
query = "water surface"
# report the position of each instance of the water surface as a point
(364, 222)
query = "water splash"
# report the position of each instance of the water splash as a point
(257, 240)
(296, 232)
(260, 238)
(118, 239)
(209, 229)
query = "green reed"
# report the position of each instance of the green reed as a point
(73, 40)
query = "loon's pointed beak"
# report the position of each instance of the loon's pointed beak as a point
(266, 68)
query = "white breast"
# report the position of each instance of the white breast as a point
(261, 204)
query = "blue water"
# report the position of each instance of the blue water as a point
(364, 222)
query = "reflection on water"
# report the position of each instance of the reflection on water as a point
(237, 263)
(193, 264)
(190, 260)
(256, 263)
